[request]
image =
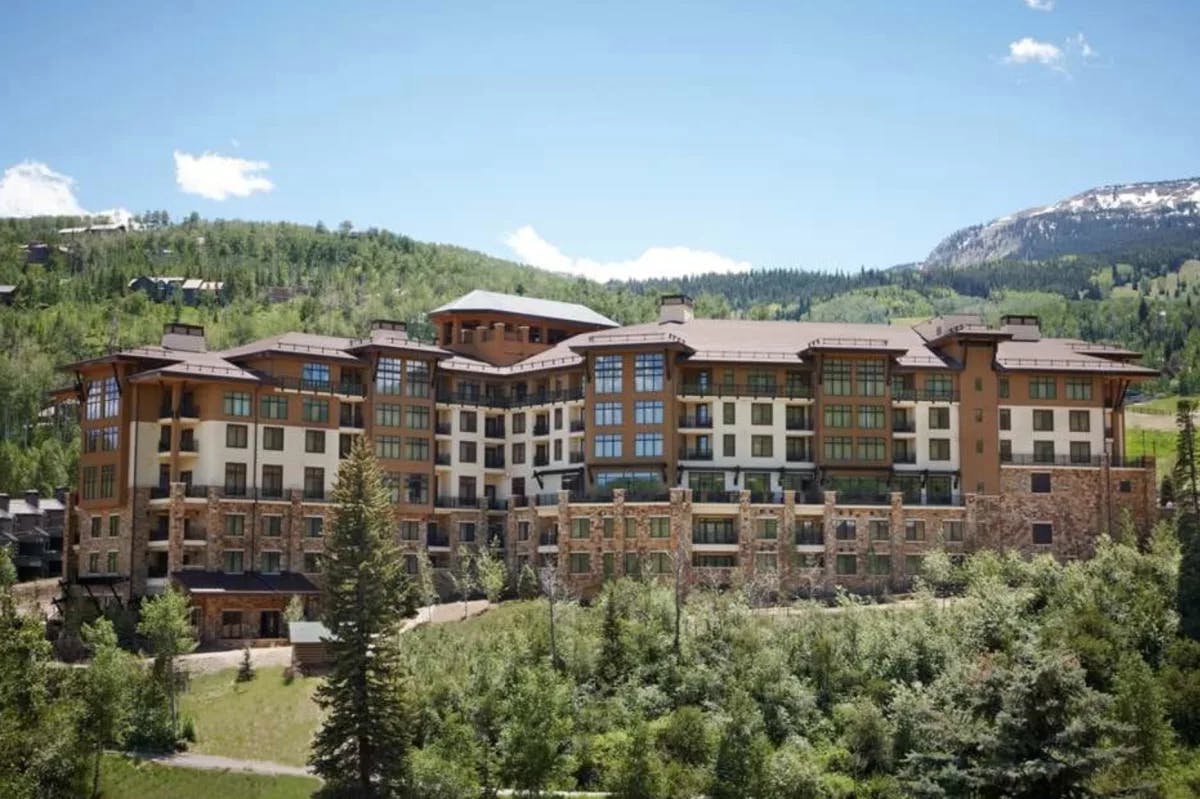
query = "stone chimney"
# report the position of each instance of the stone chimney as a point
(1022, 327)
(675, 308)
(32, 498)
(60, 493)
(4, 502)
(178, 336)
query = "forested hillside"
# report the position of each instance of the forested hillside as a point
(72, 300)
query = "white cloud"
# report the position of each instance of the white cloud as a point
(1031, 51)
(1080, 43)
(32, 188)
(1040, 5)
(655, 262)
(218, 177)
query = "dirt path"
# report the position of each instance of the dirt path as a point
(217, 763)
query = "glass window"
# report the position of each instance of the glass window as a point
(387, 414)
(939, 387)
(236, 436)
(314, 376)
(768, 527)
(1043, 388)
(609, 374)
(270, 561)
(608, 446)
(235, 524)
(839, 416)
(1043, 533)
(312, 562)
(388, 375)
(648, 371)
(1081, 452)
(761, 413)
(416, 417)
(952, 530)
(729, 412)
(648, 412)
(1043, 452)
(468, 421)
(272, 480)
(871, 417)
(580, 563)
(1002, 387)
(914, 529)
(872, 449)
(1079, 388)
(879, 564)
(1005, 419)
(1080, 421)
(939, 418)
(836, 377)
(871, 378)
(846, 529)
(314, 526)
(1043, 420)
(236, 403)
(416, 374)
(846, 564)
(93, 407)
(581, 527)
(387, 447)
(274, 407)
(761, 446)
(760, 382)
(234, 561)
(466, 452)
(314, 410)
(272, 526)
(729, 445)
(235, 479)
(416, 449)
(314, 482)
(839, 448)
(660, 526)
(314, 441)
(646, 445)
(608, 414)
(939, 449)
(273, 438)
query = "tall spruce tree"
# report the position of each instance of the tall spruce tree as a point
(1187, 520)
(362, 747)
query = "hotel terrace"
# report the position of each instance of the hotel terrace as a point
(811, 455)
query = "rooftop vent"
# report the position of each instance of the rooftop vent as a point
(31, 498)
(676, 308)
(389, 324)
(178, 336)
(4, 502)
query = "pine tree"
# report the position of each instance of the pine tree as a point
(1187, 496)
(613, 665)
(1186, 478)
(362, 747)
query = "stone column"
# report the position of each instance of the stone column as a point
(214, 530)
(176, 524)
(681, 529)
(746, 533)
(896, 537)
(829, 521)
(787, 541)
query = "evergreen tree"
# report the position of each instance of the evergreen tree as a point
(362, 747)
(613, 663)
(741, 768)
(1187, 495)
(1186, 478)
(245, 672)
(166, 627)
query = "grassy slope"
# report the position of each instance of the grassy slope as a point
(258, 720)
(124, 778)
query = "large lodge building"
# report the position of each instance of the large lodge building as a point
(814, 454)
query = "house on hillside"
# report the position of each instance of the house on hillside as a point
(7, 294)
(161, 288)
(32, 528)
(36, 252)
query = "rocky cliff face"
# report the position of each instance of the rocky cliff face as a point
(1102, 219)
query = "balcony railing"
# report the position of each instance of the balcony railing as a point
(767, 497)
(696, 455)
(348, 417)
(501, 400)
(548, 538)
(347, 387)
(493, 431)
(809, 537)
(714, 537)
(904, 427)
(541, 429)
(315, 494)
(518, 501)
(160, 492)
(442, 429)
(191, 533)
(904, 457)
(187, 410)
(799, 456)
(575, 457)
(493, 461)
(799, 424)
(745, 390)
(541, 460)
(577, 425)
(197, 491)
(159, 533)
(1135, 462)
(923, 395)
(442, 459)
(456, 502)
(270, 492)
(862, 498)
(647, 494)
(698, 422)
(437, 540)
(704, 495)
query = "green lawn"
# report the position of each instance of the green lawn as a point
(263, 719)
(1160, 406)
(1159, 443)
(126, 778)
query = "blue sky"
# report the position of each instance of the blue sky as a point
(606, 138)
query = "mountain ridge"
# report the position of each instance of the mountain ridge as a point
(1101, 219)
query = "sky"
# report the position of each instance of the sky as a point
(616, 139)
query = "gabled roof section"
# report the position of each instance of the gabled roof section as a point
(300, 344)
(397, 340)
(495, 302)
(1063, 355)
